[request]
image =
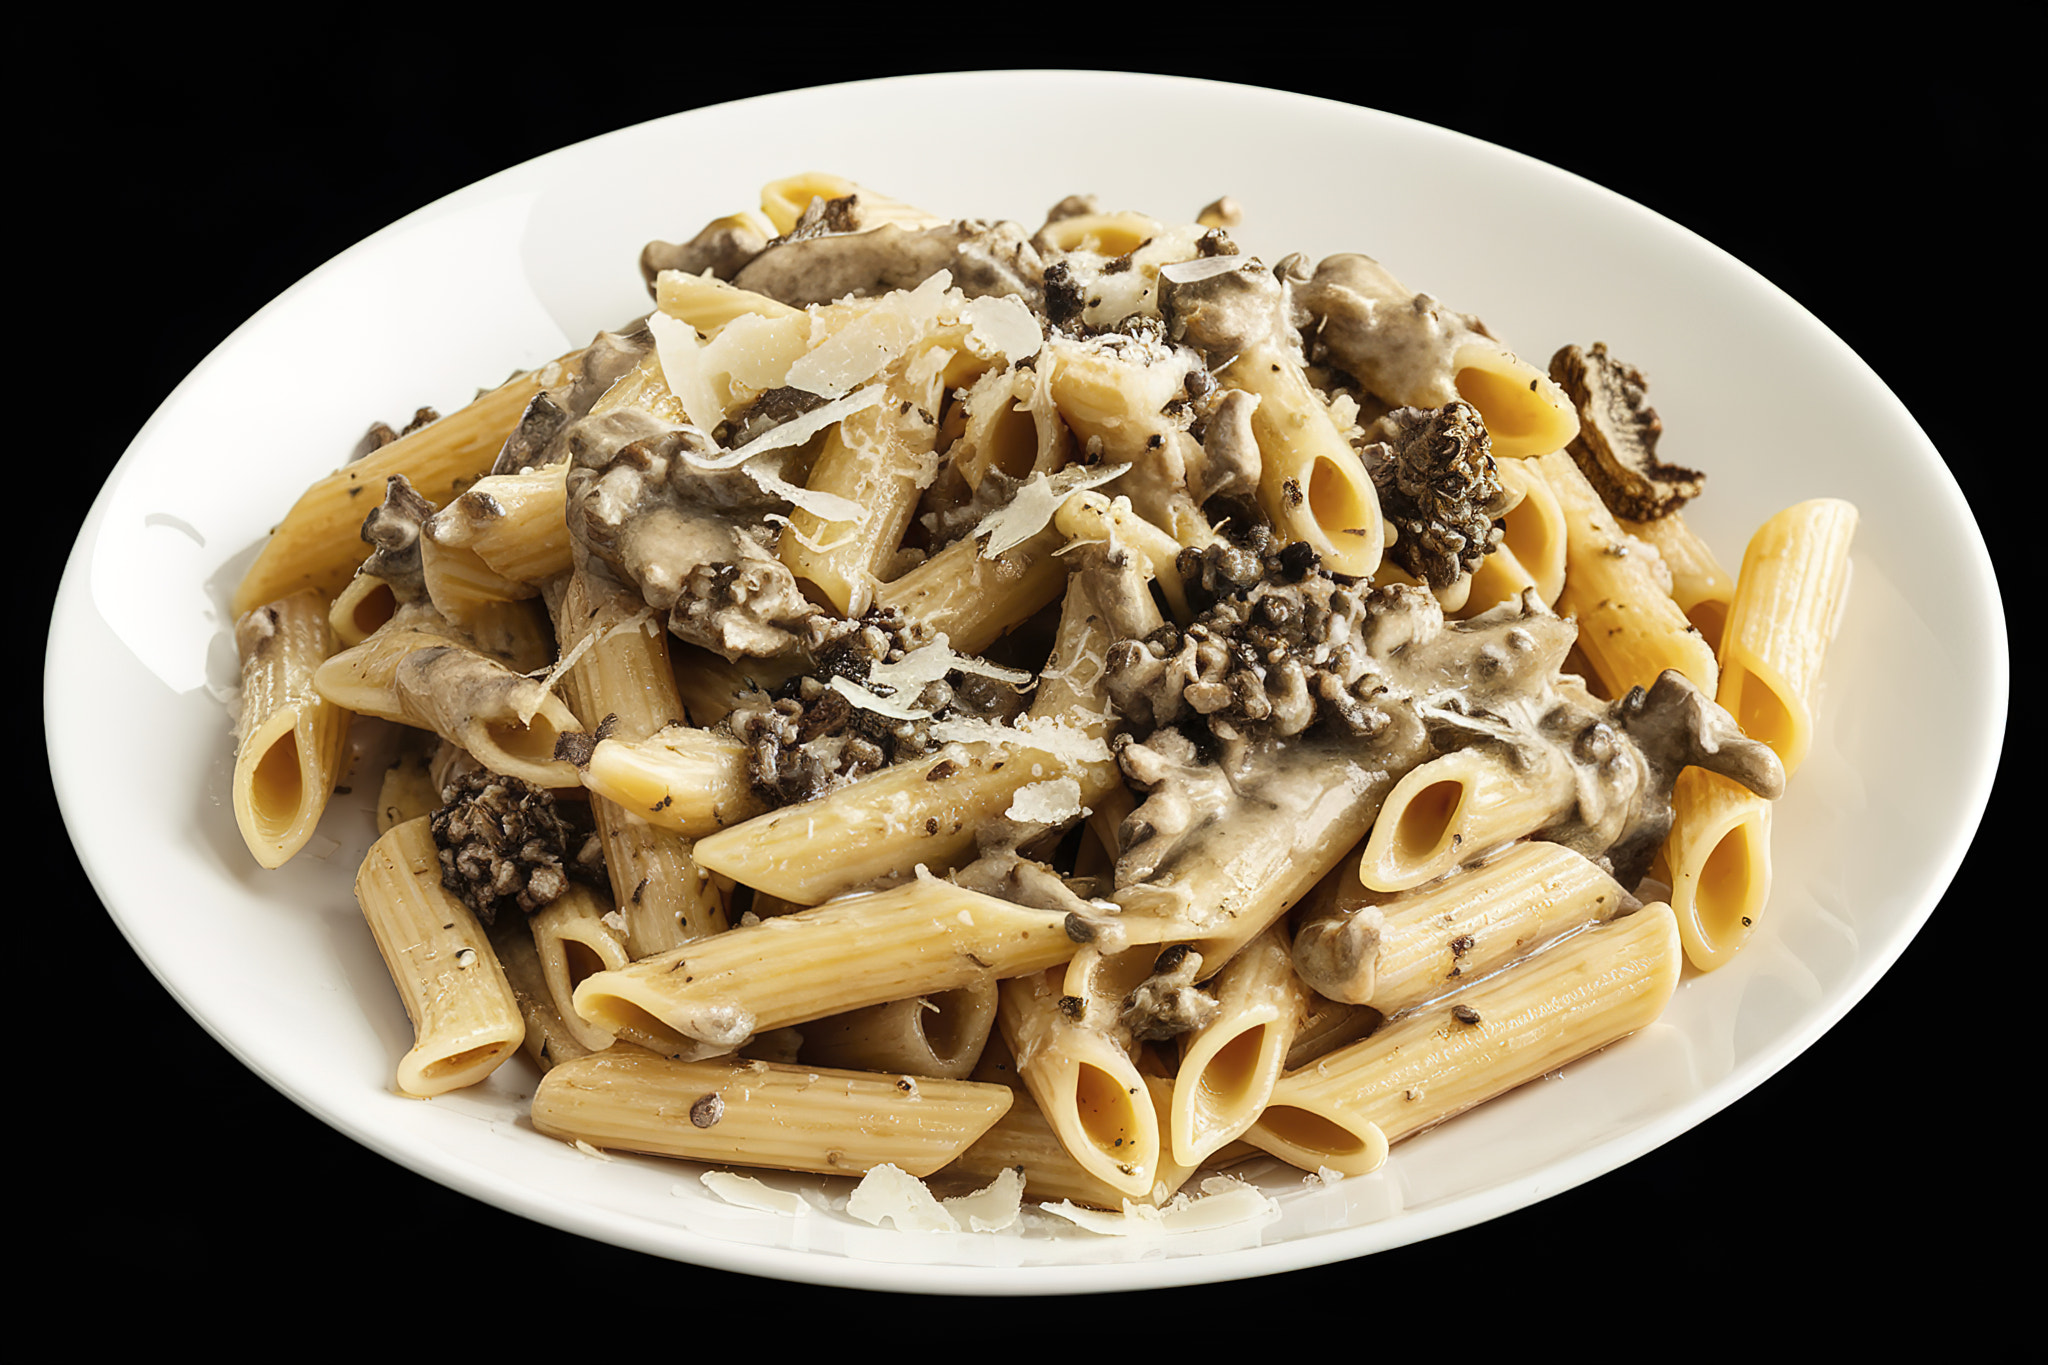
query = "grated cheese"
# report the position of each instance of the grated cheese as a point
(1047, 803)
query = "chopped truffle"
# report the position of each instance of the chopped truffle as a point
(503, 844)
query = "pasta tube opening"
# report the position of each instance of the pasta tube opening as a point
(277, 790)
(1109, 1114)
(1760, 707)
(1341, 497)
(1525, 413)
(1422, 833)
(1310, 1140)
(1719, 858)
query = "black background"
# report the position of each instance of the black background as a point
(1879, 1177)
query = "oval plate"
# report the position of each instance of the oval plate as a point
(526, 264)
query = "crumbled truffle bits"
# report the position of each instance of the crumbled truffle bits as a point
(1464, 1014)
(707, 1110)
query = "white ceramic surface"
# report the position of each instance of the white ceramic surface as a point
(528, 263)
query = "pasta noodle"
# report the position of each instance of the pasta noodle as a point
(1083, 702)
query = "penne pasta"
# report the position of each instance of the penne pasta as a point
(289, 738)
(792, 1118)
(1576, 997)
(1795, 575)
(907, 867)
(466, 1019)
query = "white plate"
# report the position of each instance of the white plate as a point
(525, 265)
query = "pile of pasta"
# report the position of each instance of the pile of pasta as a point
(936, 964)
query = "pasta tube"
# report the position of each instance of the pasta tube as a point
(466, 1019)
(1228, 1066)
(1574, 998)
(289, 738)
(928, 1035)
(1084, 1083)
(1794, 577)
(1458, 808)
(317, 545)
(919, 939)
(792, 1118)
(1394, 952)
(1629, 626)
(1718, 859)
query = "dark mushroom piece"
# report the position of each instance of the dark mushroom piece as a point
(1616, 447)
(983, 258)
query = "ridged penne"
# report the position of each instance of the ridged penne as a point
(918, 939)
(792, 1118)
(289, 738)
(1394, 951)
(1794, 578)
(1571, 999)
(466, 1019)
(1629, 626)
(317, 546)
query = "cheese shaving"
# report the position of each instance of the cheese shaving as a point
(866, 346)
(881, 706)
(794, 432)
(1000, 325)
(995, 1206)
(748, 1193)
(891, 1194)
(1054, 737)
(642, 619)
(847, 535)
(684, 371)
(930, 662)
(829, 507)
(1224, 1200)
(1031, 510)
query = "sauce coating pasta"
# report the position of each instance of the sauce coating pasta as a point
(943, 605)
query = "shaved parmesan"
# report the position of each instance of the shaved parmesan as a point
(1031, 510)
(641, 620)
(928, 663)
(820, 504)
(1062, 741)
(881, 706)
(846, 536)
(1205, 268)
(1002, 325)
(749, 1193)
(1224, 1200)
(794, 432)
(756, 352)
(861, 349)
(684, 371)
(995, 1206)
(891, 1194)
